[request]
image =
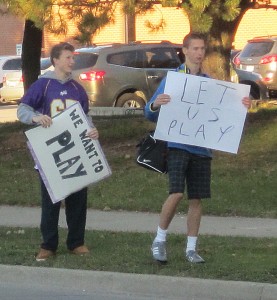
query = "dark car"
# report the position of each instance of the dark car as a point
(258, 90)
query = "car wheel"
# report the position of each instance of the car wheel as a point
(130, 100)
(254, 93)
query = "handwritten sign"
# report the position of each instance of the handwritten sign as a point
(202, 112)
(67, 159)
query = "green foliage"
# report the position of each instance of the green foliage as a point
(170, 3)
(230, 10)
(90, 24)
(33, 10)
(203, 14)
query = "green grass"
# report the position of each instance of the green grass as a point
(242, 184)
(227, 258)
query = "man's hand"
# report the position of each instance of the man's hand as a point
(43, 120)
(93, 133)
(246, 102)
(160, 100)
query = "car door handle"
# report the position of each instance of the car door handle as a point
(152, 76)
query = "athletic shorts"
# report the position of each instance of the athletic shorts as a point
(191, 171)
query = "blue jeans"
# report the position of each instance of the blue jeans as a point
(75, 211)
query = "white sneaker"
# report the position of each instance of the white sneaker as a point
(193, 257)
(159, 251)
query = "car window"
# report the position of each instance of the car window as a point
(256, 49)
(13, 64)
(127, 59)
(149, 58)
(84, 60)
(45, 63)
(162, 58)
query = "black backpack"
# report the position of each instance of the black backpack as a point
(152, 153)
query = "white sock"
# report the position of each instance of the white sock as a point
(161, 235)
(191, 243)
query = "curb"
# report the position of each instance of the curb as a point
(115, 111)
(157, 286)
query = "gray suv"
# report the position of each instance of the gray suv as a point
(124, 75)
(260, 56)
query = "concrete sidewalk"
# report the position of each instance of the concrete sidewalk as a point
(16, 216)
(138, 286)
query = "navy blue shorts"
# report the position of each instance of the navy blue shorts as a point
(191, 171)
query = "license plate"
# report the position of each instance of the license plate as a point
(250, 68)
(11, 83)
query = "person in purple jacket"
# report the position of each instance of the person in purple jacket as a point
(50, 94)
(187, 165)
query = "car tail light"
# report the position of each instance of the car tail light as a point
(268, 77)
(236, 61)
(92, 75)
(268, 59)
(21, 79)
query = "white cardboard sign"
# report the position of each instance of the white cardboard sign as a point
(66, 158)
(202, 112)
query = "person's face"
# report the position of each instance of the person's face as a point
(65, 62)
(195, 52)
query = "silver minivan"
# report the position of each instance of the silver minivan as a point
(124, 75)
(260, 56)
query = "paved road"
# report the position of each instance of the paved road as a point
(8, 113)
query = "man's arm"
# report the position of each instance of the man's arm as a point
(26, 113)
(151, 111)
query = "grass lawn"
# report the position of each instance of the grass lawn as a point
(242, 184)
(227, 258)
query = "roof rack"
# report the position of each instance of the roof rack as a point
(150, 41)
(265, 36)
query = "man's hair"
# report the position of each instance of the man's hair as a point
(194, 36)
(57, 50)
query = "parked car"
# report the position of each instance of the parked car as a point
(12, 89)
(124, 75)
(258, 89)
(9, 63)
(12, 86)
(260, 56)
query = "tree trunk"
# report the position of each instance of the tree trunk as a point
(31, 53)
(217, 60)
(130, 28)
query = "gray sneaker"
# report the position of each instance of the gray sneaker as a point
(193, 257)
(159, 251)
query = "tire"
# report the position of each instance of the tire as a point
(254, 93)
(254, 104)
(130, 100)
